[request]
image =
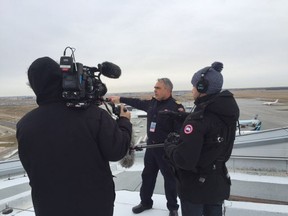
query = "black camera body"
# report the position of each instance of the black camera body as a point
(73, 82)
(81, 84)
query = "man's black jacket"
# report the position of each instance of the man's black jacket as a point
(164, 123)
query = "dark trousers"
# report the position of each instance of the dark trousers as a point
(191, 209)
(153, 162)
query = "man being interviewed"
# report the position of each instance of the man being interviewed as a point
(204, 144)
(158, 128)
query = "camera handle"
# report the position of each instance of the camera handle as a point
(116, 110)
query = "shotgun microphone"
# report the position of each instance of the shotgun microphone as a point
(110, 70)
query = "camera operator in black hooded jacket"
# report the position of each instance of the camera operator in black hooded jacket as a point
(158, 127)
(66, 151)
(198, 154)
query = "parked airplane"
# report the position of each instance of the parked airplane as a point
(250, 124)
(269, 103)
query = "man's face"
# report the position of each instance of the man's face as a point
(161, 92)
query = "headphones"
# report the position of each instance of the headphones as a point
(203, 84)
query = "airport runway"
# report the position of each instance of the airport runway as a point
(274, 116)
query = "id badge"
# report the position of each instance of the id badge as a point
(152, 126)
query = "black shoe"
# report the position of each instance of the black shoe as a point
(173, 213)
(140, 208)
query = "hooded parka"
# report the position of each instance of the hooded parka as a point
(66, 151)
(205, 144)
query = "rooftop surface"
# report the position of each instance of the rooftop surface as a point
(16, 194)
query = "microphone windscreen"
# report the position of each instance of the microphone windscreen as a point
(110, 70)
(128, 160)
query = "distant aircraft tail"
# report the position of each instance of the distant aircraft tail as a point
(257, 126)
(270, 103)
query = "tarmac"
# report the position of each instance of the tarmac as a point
(274, 116)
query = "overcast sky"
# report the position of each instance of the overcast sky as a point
(148, 39)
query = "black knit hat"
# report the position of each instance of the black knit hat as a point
(213, 76)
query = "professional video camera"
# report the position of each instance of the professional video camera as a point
(82, 85)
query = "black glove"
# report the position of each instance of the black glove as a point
(170, 143)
